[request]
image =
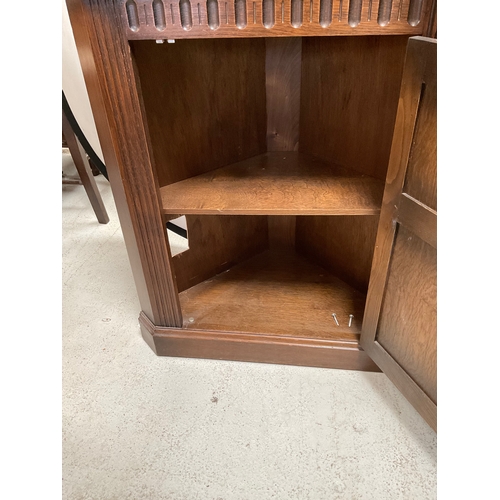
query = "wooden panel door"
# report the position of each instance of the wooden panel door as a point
(399, 326)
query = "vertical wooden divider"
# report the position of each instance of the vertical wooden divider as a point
(283, 67)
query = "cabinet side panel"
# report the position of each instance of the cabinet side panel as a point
(108, 72)
(342, 244)
(205, 102)
(349, 96)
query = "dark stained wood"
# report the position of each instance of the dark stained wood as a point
(255, 348)
(257, 27)
(283, 63)
(348, 106)
(419, 51)
(286, 183)
(349, 93)
(421, 173)
(108, 72)
(275, 293)
(431, 21)
(205, 103)
(216, 244)
(401, 301)
(419, 218)
(281, 231)
(410, 296)
(84, 171)
(343, 245)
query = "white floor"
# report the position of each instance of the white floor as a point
(137, 426)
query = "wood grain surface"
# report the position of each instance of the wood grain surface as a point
(216, 244)
(281, 231)
(344, 245)
(349, 95)
(418, 53)
(260, 348)
(419, 218)
(281, 183)
(204, 101)
(275, 293)
(283, 69)
(408, 318)
(421, 174)
(399, 327)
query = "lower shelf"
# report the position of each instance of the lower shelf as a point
(274, 308)
(276, 293)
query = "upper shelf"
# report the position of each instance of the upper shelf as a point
(279, 183)
(174, 19)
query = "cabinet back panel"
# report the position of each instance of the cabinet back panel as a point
(205, 103)
(349, 96)
(216, 243)
(343, 245)
(283, 62)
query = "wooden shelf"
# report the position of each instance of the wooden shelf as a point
(275, 293)
(276, 183)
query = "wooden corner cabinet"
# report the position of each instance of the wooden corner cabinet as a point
(298, 139)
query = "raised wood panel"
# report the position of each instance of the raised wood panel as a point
(205, 103)
(343, 245)
(172, 19)
(408, 318)
(216, 244)
(349, 95)
(276, 183)
(421, 174)
(403, 137)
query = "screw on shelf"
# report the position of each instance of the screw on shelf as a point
(334, 316)
(350, 319)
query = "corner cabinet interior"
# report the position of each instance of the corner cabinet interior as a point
(268, 124)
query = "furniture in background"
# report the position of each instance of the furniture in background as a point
(85, 171)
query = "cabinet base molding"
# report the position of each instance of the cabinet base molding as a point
(259, 348)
